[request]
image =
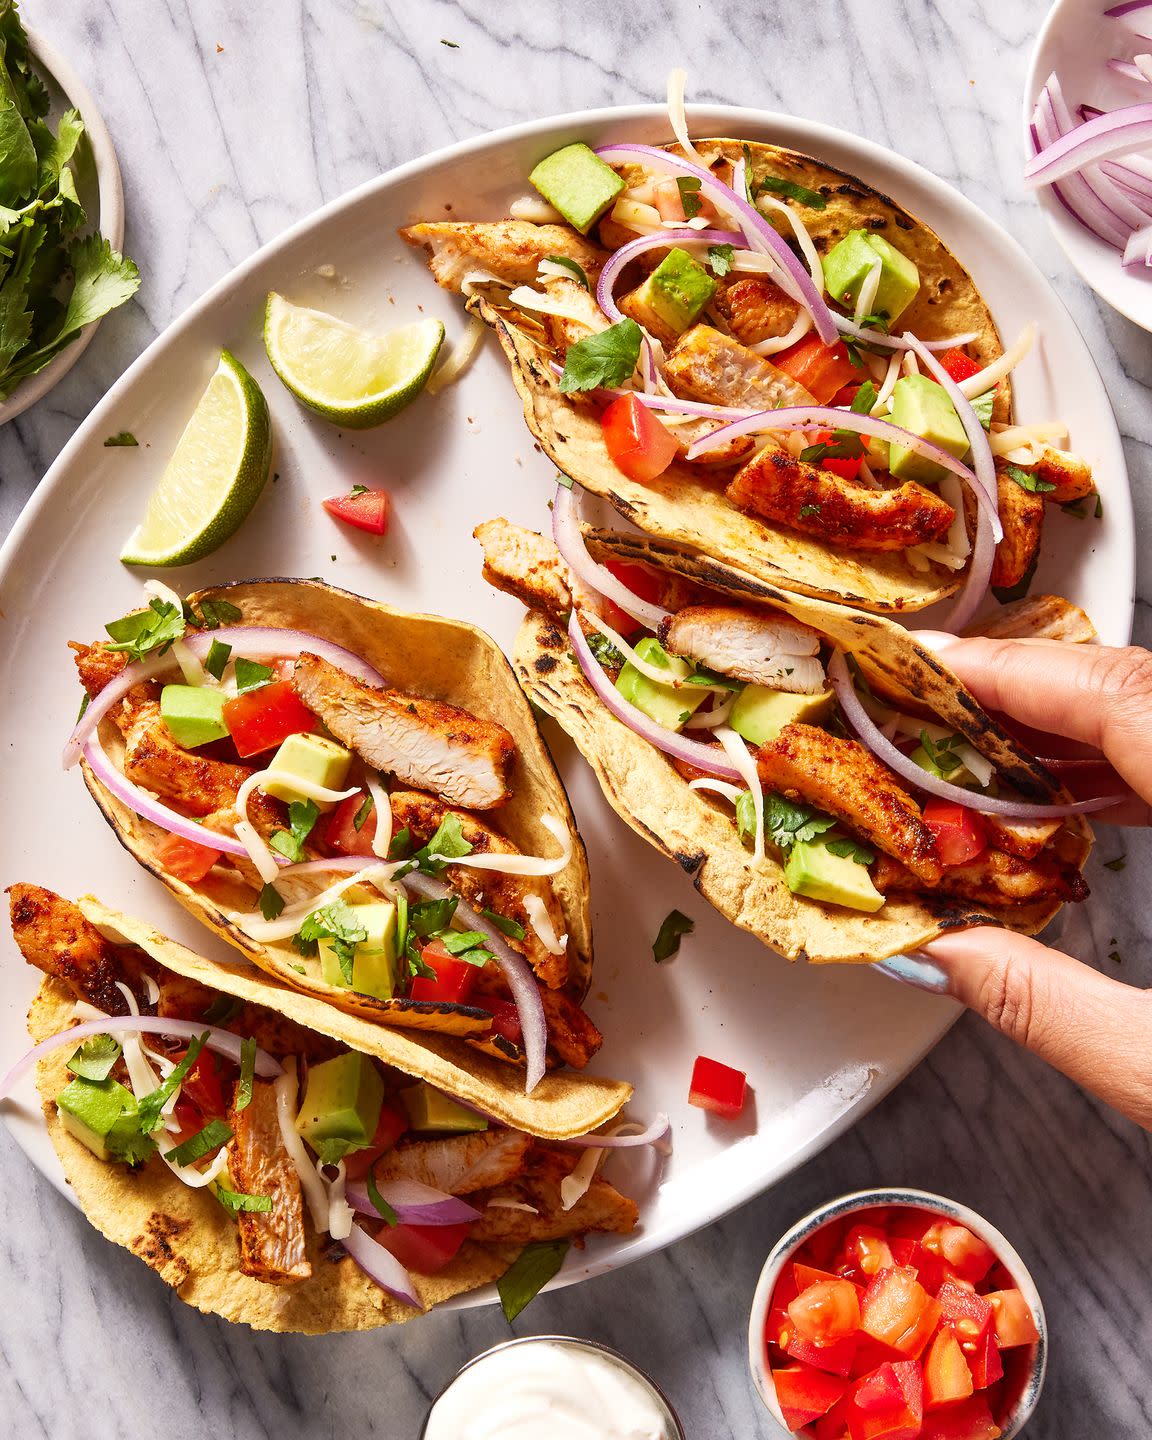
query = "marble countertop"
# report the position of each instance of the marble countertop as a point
(234, 121)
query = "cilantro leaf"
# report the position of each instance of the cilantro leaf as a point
(502, 923)
(95, 1058)
(1118, 864)
(361, 816)
(720, 259)
(466, 945)
(302, 817)
(850, 850)
(401, 845)
(144, 631)
(432, 916)
(271, 902)
(236, 1200)
(806, 510)
(123, 437)
(217, 658)
(243, 1096)
(942, 753)
(787, 823)
(529, 1273)
(689, 188)
(574, 269)
(213, 1135)
(213, 614)
(746, 815)
(250, 675)
(864, 399)
(982, 405)
(607, 358)
(447, 844)
(1028, 481)
(775, 185)
(153, 1103)
(223, 1010)
(379, 1204)
(337, 922)
(674, 925)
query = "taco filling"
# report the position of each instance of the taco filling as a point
(344, 832)
(320, 1156)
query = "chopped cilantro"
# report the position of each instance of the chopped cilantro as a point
(217, 658)
(674, 925)
(271, 902)
(529, 1273)
(576, 270)
(1028, 481)
(223, 1010)
(983, 407)
(562, 479)
(451, 44)
(606, 358)
(502, 923)
(124, 437)
(379, 1204)
(776, 185)
(401, 845)
(352, 494)
(467, 945)
(787, 823)
(302, 817)
(689, 188)
(236, 1200)
(95, 1058)
(84, 703)
(746, 815)
(432, 916)
(720, 259)
(849, 850)
(243, 1096)
(1115, 956)
(1118, 864)
(153, 1103)
(806, 510)
(213, 614)
(361, 816)
(447, 844)
(213, 1135)
(337, 922)
(1098, 513)
(250, 675)
(145, 631)
(942, 753)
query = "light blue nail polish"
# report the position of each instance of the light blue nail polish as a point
(915, 970)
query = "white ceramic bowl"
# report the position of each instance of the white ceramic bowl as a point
(787, 1245)
(101, 192)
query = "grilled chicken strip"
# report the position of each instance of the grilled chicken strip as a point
(422, 742)
(993, 878)
(756, 309)
(272, 1242)
(1044, 617)
(707, 365)
(509, 250)
(778, 486)
(152, 759)
(564, 331)
(601, 1207)
(487, 889)
(1024, 839)
(524, 564)
(571, 1034)
(457, 1164)
(1022, 515)
(97, 665)
(751, 645)
(56, 937)
(843, 779)
(1071, 475)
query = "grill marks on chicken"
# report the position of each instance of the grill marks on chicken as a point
(525, 565)
(992, 878)
(756, 309)
(509, 250)
(600, 1208)
(459, 1164)
(56, 937)
(751, 645)
(273, 1243)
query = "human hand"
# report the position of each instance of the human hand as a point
(1096, 1030)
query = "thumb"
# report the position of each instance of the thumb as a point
(1094, 1029)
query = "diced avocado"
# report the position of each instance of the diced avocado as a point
(341, 1106)
(665, 704)
(374, 959)
(814, 871)
(672, 296)
(194, 714)
(847, 264)
(922, 406)
(92, 1111)
(578, 183)
(760, 713)
(430, 1109)
(308, 758)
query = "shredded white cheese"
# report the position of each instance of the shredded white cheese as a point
(1003, 441)
(522, 864)
(867, 296)
(311, 1182)
(340, 1213)
(501, 1204)
(541, 922)
(459, 357)
(552, 304)
(288, 922)
(535, 209)
(382, 837)
(721, 787)
(984, 379)
(678, 117)
(772, 346)
(738, 752)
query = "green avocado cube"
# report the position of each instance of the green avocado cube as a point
(672, 297)
(430, 1109)
(666, 704)
(194, 714)
(341, 1107)
(759, 713)
(922, 406)
(577, 183)
(92, 1110)
(311, 759)
(847, 264)
(373, 960)
(813, 870)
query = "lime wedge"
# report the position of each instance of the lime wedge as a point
(349, 376)
(215, 476)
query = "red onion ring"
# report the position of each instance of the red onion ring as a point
(656, 1131)
(570, 543)
(99, 704)
(760, 234)
(381, 1266)
(222, 1041)
(619, 258)
(870, 736)
(414, 1204)
(1102, 138)
(692, 752)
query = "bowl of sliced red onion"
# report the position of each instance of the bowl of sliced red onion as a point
(1088, 144)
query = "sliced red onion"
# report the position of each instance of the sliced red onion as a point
(883, 748)
(1100, 139)
(381, 1266)
(759, 233)
(414, 1204)
(517, 972)
(1129, 7)
(675, 405)
(1138, 251)
(222, 1041)
(570, 543)
(99, 705)
(656, 1131)
(620, 258)
(692, 752)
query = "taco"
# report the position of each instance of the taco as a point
(810, 388)
(355, 797)
(827, 783)
(239, 1137)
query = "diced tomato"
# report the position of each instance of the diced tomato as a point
(985, 1362)
(870, 1354)
(717, 1088)
(262, 718)
(454, 978)
(1012, 1320)
(834, 1425)
(670, 202)
(367, 510)
(638, 578)
(505, 1019)
(846, 466)
(392, 1124)
(969, 1315)
(960, 833)
(805, 1275)
(636, 441)
(966, 1254)
(970, 1420)
(947, 1377)
(805, 1394)
(888, 1404)
(203, 1085)
(866, 1253)
(785, 1340)
(185, 859)
(899, 1312)
(959, 365)
(340, 833)
(424, 1248)
(827, 1311)
(821, 369)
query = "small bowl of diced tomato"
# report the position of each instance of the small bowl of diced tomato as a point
(897, 1315)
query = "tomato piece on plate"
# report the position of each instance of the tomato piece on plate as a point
(899, 1312)
(965, 1254)
(947, 1377)
(888, 1404)
(821, 369)
(826, 1311)
(805, 1394)
(366, 510)
(959, 365)
(1012, 1320)
(717, 1088)
(960, 832)
(392, 1124)
(505, 1019)
(185, 859)
(262, 718)
(636, 441)
(454, 978)
(424, 1248)
(970, 1420)
(340, 833)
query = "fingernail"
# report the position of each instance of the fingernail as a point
(915, 970)
(938, 641)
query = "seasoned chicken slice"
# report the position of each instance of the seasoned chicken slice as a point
(600, 1208)
(571, 1034)
(1069, 474)
(494, 890)
(1023, 838)
(272, 1242)
(756, 309)
(509, 250)
(524, 564)
(752, 645)
(778, 486)
(583, 318)
(422, 742)
(458, 1164)
(97, 665)
(707, 365)
(152, 759)
(1022, 515)
(993, 878)
(841, 778)
(1044, 617)
(56, 937)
